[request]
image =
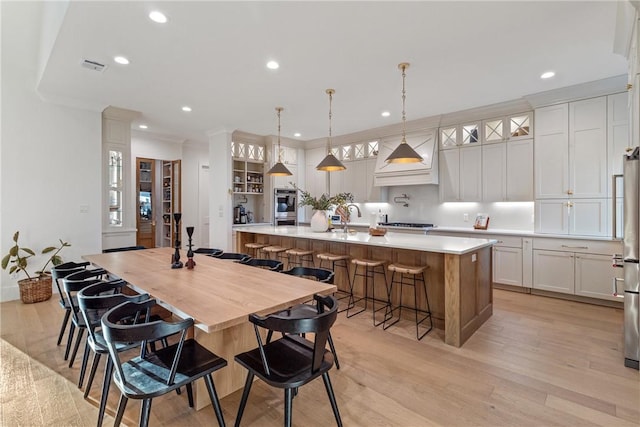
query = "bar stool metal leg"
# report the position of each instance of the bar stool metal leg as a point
(410, 276)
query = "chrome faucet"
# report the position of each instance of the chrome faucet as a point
(347, 207)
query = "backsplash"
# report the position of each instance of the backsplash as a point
(424, 206)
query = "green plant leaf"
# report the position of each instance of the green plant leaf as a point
(48, 249)
(15, 236)
(5, 261)
(12, 269)
(14, 251)
(56, 260)
(29, 251)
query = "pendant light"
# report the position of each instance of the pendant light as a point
(279, 169)
(403, 152)
(330, 163)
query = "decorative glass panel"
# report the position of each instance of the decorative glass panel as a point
(241, 153)
(448, 137)
(260, 153)
(336, 152)
(346, 152)
(281, 155)
(115, 188)
(358, 151)
(469, 134)
(233, 149)
(372, 148)
(493, 130)
(519, 125)
(251, 151)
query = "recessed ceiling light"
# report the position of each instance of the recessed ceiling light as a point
(297, 134)
(273, 65)
(121, 60)
(547, 74)
(386, 114)
(143, 127)
(158, 17)
(186, 108)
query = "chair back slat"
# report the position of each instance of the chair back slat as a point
(320, 274)
(270, 264)
(232, 255)
(63, 270)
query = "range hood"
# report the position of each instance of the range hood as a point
(425, 172)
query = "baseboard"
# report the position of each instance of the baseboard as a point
(9, 293)
(578, 298)
(512, 288)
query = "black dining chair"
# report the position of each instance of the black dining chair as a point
(94, 301)
(207, 251)
(58, 273)
(124, 248)
(154, 373)
(73, 284)
(232, 255)
(292, 361)
(320, 274)
(267, 264)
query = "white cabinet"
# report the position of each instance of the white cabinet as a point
(588, 148)
(583, 217)
(285, 181)
(579, 267)
(507, 265)
(494, 172)
(553, 271)
(337, 182)
(594, 276)
(552, 152)
(617, 130)
(461, 174)
(509, 128)
(519, 166)
(315, 180)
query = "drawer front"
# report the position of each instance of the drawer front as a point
(507, 241)
(578, 246)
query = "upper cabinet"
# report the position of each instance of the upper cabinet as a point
(252, 152)
(510, 128)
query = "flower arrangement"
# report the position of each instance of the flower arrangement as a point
(324, 202)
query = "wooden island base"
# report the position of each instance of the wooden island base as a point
(459, 285)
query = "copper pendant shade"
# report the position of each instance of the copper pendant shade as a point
(330, 163)
(403, 153)
(279, 169)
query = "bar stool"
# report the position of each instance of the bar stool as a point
(253, 249)
(337, 260)
(296, 257)
(275, 252)
(412, 274)
(369, 270)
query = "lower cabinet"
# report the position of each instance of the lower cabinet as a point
(575, 267)
(507, 265)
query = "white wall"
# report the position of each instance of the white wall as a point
(194, 155)
(50, 155)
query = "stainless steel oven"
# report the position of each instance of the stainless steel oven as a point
(285, 206)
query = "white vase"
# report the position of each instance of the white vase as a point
(319, 222)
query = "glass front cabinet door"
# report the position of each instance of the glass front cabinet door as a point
(115, 189)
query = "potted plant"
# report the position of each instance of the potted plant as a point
(36, 287)
(321, 205)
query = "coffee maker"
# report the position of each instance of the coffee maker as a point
(239, 215)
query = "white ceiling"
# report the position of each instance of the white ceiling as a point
(211, 56)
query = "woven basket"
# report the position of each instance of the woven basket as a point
(35, 290)
(377, 231)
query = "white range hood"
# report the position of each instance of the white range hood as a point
(425, 172)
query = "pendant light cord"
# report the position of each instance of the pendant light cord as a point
(279, 109)
(403, 67)
(330, 92)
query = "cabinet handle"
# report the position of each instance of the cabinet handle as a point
(615, 287)
(569, 192)
(575, 247)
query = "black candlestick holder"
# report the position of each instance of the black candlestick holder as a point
(190, 262)
(175, 261)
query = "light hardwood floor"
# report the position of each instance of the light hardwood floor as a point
(537, 362)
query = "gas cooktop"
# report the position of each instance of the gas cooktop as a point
(407, 224)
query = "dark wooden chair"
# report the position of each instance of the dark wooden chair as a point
(58, 273)
(267, 264)
(94, 301)
(207, 251)
(155, 373)
(124, 248)
(320, 274)
(292, 361)
(232, 255)
(73, 284)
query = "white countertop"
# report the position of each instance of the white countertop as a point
(418, 242)
(252, 224)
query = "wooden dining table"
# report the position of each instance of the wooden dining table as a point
(218, 294)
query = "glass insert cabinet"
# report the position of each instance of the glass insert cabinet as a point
(115, 182)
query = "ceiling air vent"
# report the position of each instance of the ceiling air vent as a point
(93, 65)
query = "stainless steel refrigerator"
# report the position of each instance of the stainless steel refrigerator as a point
(631, 254)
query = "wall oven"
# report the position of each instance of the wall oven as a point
(285, 207)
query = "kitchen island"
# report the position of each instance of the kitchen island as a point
(458, 275)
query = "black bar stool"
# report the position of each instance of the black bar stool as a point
(296, 257)
(337, 260)
(409, 276)
(368, 269)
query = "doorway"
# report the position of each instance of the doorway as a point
(145, 209)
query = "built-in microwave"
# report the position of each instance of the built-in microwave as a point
(285, 206)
